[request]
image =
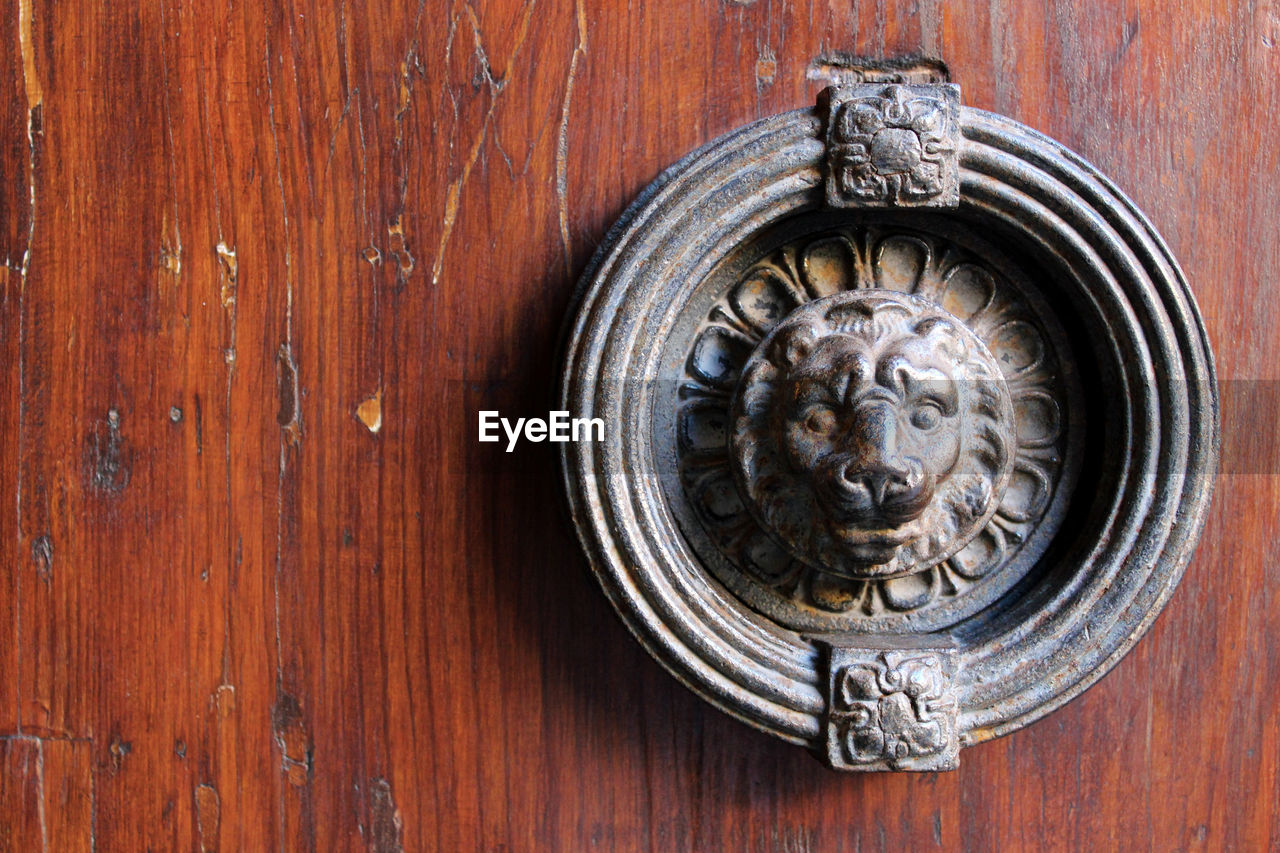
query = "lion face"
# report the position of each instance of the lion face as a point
(871, 434)
(876, 432)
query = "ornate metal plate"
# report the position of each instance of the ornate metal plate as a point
(911, 424)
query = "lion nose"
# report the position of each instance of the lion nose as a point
(874, 463)
(884, 483)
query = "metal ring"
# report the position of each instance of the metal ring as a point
(1087, 604)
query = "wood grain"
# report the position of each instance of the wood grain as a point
(236, 237)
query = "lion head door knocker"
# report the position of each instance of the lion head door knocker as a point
(872, 434)
(893, 454)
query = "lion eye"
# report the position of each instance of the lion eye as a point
(926, 417)
(820, 420)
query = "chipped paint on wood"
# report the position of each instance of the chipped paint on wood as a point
(398, 247)
(370, 412)
(109, 458)
(230, 270)
(224, 700)
(208, 817)
(287, 414)
(42, 556)
(385, 823)
(290, 732)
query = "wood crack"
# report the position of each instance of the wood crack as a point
(496, 87)
(397, 242)
(170, 245)
(35, 129)
(562, 146)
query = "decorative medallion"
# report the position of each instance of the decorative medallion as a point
(872, 427)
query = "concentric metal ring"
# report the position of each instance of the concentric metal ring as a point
(1159, 422)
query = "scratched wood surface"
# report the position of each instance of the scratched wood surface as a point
(262, 588)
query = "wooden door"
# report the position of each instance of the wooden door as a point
(264, 262)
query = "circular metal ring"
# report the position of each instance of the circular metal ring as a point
(1151, 443)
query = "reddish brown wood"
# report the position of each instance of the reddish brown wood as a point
(20, 795)
(46, 794)
(239, 618)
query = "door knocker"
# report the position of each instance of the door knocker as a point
(911, 424)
